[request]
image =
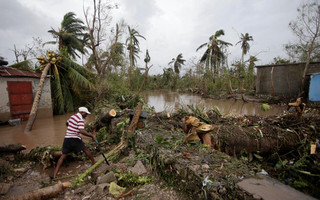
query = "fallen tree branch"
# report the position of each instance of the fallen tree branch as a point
(123, 144)
(12, 148)
(125, 194)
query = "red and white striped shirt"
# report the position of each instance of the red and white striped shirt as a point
(75, 123)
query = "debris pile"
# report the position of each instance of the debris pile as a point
(195, 153)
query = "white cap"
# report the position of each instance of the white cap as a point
(84, 109)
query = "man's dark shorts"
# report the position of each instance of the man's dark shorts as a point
(72, 145)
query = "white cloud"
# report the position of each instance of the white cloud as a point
(170, 26)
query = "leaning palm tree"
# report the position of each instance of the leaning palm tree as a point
(244, 40)
(70, 35)
(177, 63)
(133, 48)
(36, 101)
(214, 53)
(69, 84)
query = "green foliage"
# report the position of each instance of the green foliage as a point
(300, 184)
(24, 65)
(140, 155)
(102, 134)
(279, 60)
(131, 180)
(71, 85)
(160, 140)
(265, 107)
(6, 171)
(122, 124)
(71, 35)
(137, 78)
(177, 63)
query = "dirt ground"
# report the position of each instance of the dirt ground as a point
(177, 170)
(33, 177)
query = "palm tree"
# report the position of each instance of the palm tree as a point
(70, 85)
(167, 76)
(70, 35)
(177, 63)
(133, 48)
(117, 55)
(214, 52)
(34, 109)
(250, 75)
(252, 61)
(244, 40)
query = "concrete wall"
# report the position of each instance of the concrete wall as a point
(286, 78)
(45, 104)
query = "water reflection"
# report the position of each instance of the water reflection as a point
(170, 101)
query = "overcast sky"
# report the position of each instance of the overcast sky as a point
(170, 26)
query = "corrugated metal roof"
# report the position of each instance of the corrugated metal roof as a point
(13, 72)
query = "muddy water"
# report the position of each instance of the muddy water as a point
(45, 132)
(170, 101)
(51, 131)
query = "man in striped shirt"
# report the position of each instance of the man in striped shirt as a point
(73, 141)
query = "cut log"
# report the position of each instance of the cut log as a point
(233, 139)
(49, 158)
(44, 193)
(300, 107)
(12, 148)
(196, 130)
(105, 120)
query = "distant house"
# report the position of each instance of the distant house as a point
(283, 79)
(18, 89)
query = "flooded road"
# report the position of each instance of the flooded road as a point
(45, 132)
(51, 131)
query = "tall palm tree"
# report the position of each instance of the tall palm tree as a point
(245, 46)
(214, 52)
(177, 63)
(71, 35)
(132, 43)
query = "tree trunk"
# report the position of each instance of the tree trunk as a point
(12, 148)
(306, 68)
(268, 139)
(145, 78)
(34, 109)
(271, 79)
(105, 120)
(44, 193)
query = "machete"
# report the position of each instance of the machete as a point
(98, 150)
